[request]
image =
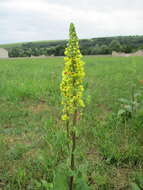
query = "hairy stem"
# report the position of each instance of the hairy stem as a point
(73, 135)
(68, 133)
(133, 99)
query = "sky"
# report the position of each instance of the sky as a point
(33, 20)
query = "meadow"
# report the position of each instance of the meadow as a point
(20, 44)
(32, 143)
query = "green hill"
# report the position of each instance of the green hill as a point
(33, 43)
(93, 46)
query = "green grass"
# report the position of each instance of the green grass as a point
(13, 45)
(19, 44)
(32, 141)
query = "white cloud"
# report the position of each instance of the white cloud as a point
(45, 19)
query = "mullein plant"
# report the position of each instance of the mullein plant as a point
(72, 91)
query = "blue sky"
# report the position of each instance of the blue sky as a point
(30, 20)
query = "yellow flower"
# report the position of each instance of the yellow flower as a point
(65, 117)
(72, 76)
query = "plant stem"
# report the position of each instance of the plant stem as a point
(133, 99)
(67, 127)
(68, 135)
(73, 152)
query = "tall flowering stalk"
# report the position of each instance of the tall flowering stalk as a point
(72, 77)
(72, 91)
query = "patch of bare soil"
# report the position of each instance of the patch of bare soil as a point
(121, 179)
(104, 112)
(42, 106)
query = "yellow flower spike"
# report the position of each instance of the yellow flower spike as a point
(65, 117)
(72, 76)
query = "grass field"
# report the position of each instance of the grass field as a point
(19, 44)
(32, 147)
(14, 45)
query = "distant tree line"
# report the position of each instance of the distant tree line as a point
(28, 52)
(94, 46)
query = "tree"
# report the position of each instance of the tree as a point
(51, 51)
(127, 49)
(115, 45)
(14, 52)
(35, 52)
(104, 49)
(96, 50)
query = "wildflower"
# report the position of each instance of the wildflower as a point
(71, 86)
(65, 117)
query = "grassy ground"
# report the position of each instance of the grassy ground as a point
(19, 44)
(14, 45)
(32, 142)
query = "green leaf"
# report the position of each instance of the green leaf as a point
(122, 100)
(137, 94)
(82, 185)
(120, 112)
(134, 186)
(46, 185)
(60, 181)
(128, 108)
(139, 180)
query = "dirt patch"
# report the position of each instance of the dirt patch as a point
(104, 112)
(30, 154)
(93, 155)
(121, 54)
(13, 140)
(121, 179)
(42, 106)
